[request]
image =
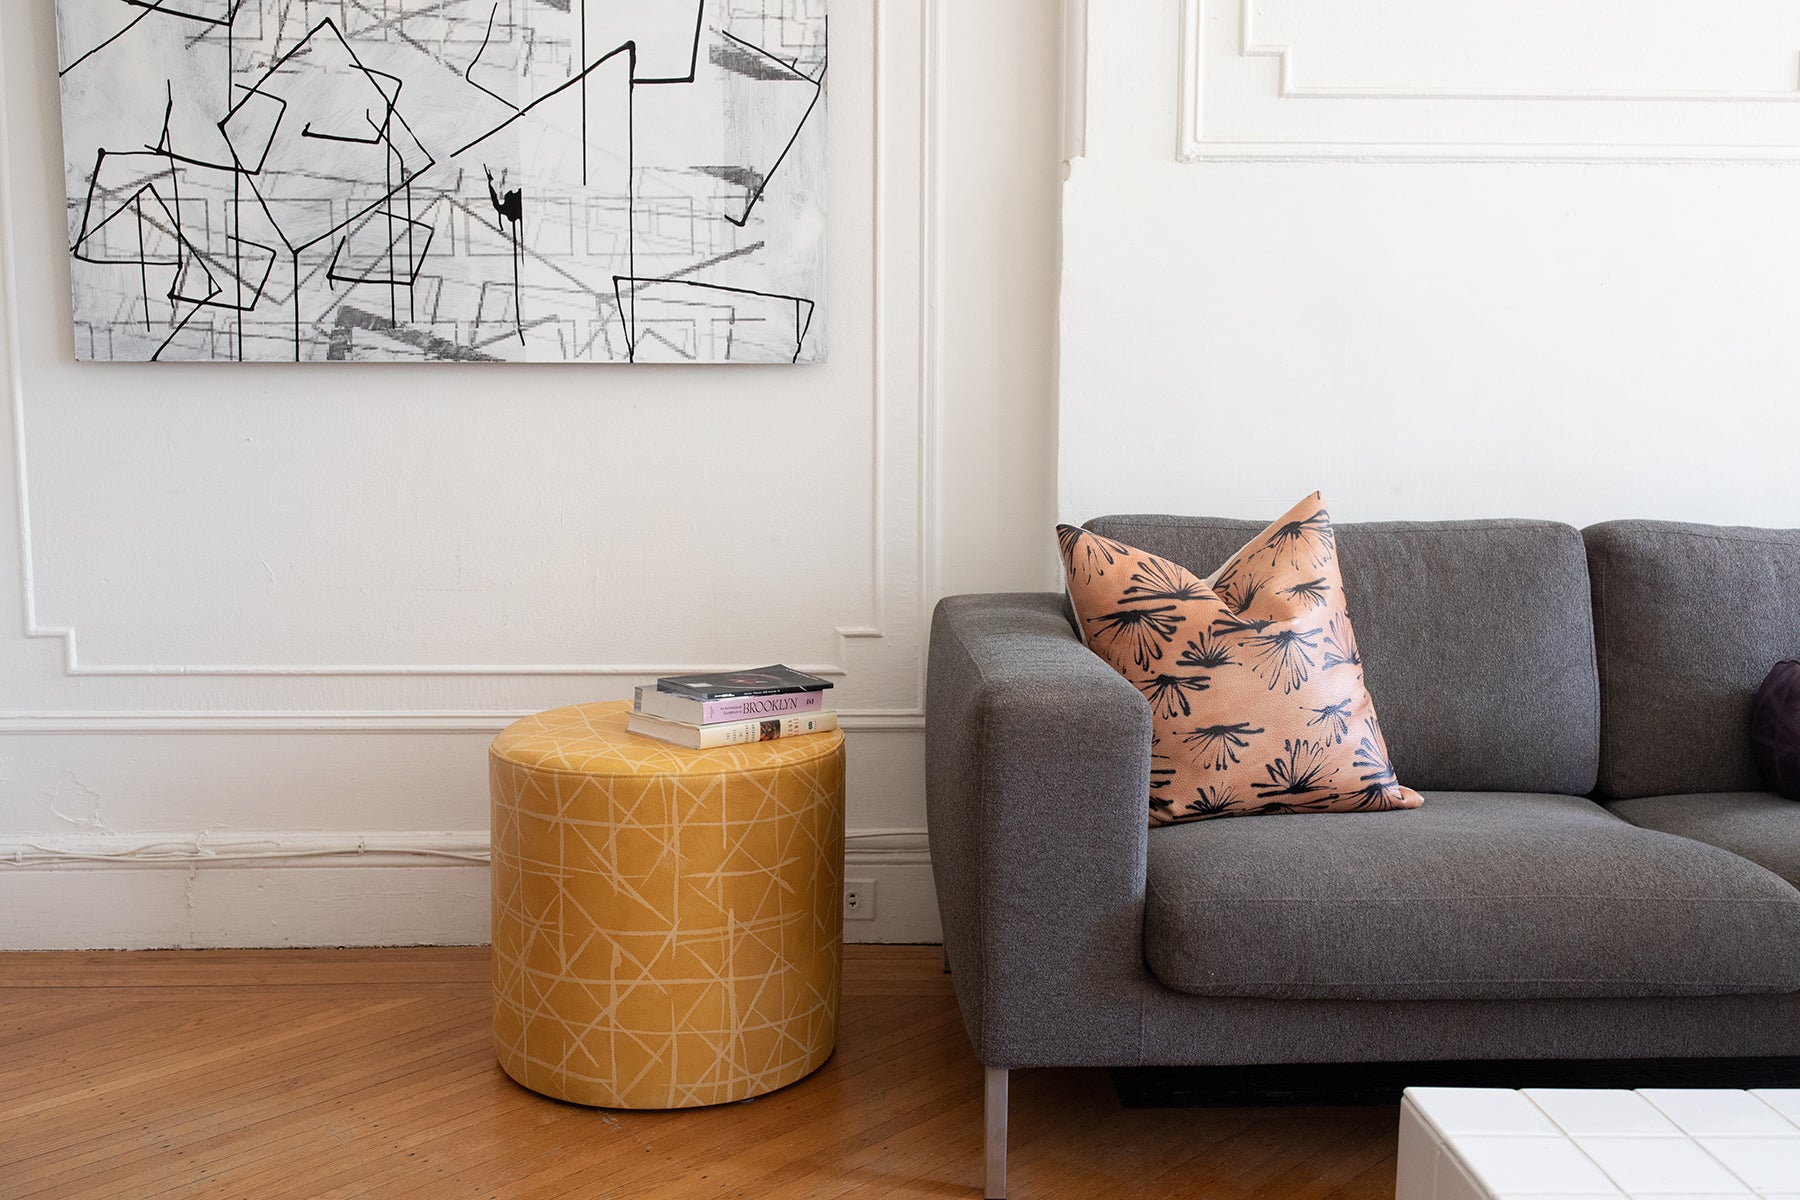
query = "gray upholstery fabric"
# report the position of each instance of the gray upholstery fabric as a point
(1182, 1030)
(1037, 761)
(1688, 620)
(1760, 826)
(1473, 896)
(1476, 638)
(1037, 778)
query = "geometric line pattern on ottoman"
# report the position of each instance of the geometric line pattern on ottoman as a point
(667, 923)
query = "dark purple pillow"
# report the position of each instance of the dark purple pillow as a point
(1775, 728)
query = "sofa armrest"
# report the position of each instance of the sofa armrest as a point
(1037, 774)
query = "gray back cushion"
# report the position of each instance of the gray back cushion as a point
(1688, 619)
(1476, 637)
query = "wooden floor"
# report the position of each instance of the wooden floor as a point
(255, 1075)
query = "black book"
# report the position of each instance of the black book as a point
(761, 681)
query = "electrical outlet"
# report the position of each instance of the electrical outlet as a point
(859, 899)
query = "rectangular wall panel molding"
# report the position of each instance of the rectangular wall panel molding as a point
(1501, 80)
(237, 618)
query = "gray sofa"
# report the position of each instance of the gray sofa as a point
(1595, 873)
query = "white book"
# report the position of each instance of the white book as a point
(689, 710)
(730, 733)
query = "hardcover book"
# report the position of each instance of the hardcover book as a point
(687, 709)
(760, 681)
(730, 733)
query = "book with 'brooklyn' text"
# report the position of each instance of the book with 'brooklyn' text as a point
(692, 711)
(730, 733)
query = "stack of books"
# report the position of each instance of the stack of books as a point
(732, 707)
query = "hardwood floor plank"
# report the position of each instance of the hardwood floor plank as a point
(242, 968)
(245, 1117)
(348, 1074)
(125, 1038)
(1377, 1180)
(143, 1075)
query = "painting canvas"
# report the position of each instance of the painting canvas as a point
(446, 180)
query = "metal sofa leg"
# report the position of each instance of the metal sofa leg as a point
(996, 1134)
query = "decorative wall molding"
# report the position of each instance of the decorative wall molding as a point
(1250, 46)
(1074, 80)
(320, 721)
(929, 548)
(15, 367)
(1275, 114)
(180, 851)
(902, 588)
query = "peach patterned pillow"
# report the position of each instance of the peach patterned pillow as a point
(1255, 685)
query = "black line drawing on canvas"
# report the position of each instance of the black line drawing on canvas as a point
(446, 180)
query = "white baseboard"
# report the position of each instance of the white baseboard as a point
(119, 892)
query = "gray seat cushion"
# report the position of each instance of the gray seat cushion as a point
(1760, 826)
(1473, 896)
(1476, 637)
(1688, 620)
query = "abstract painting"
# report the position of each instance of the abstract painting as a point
(446, 180)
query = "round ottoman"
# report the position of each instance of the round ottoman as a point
(667, 922)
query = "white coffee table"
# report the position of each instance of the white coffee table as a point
(1558, 1143)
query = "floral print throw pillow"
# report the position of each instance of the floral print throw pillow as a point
(1253, 677)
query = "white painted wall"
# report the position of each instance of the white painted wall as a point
(1441, 260)
(257, 624)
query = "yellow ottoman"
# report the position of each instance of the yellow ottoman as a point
(667, 922)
